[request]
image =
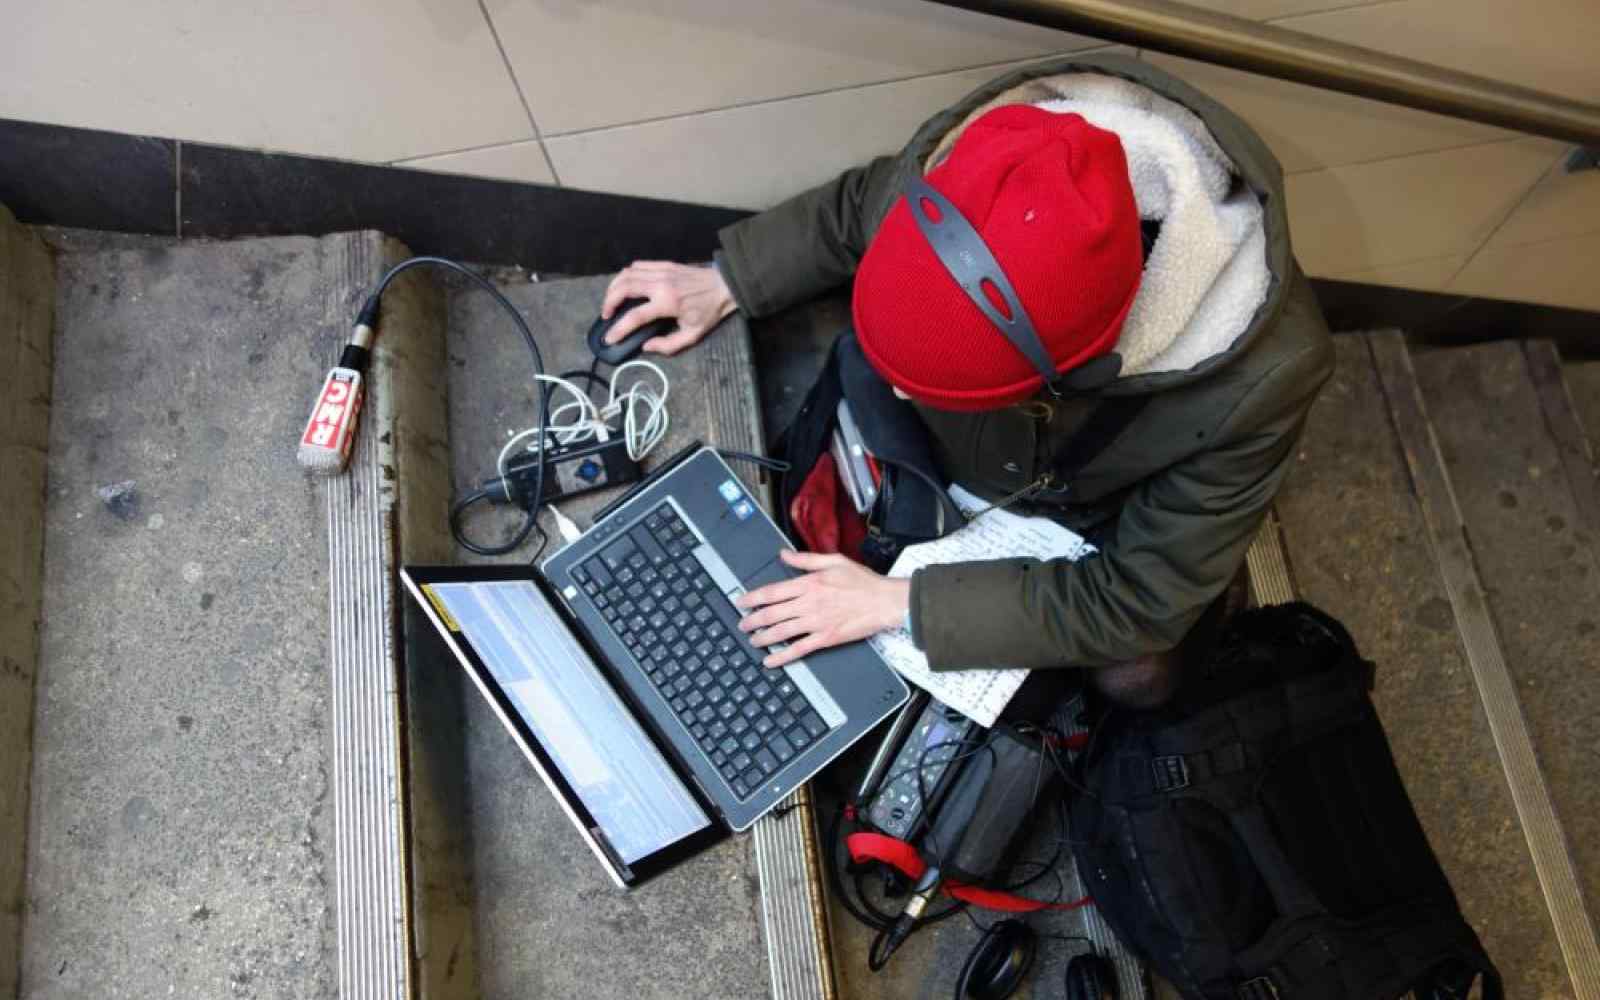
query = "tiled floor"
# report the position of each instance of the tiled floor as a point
(744, 104)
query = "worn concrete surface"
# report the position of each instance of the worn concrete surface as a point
(1583, 381)
(27, 301)
(1537, 565)
(1358, 548)
(549, 921)
(179, 818)
(1583, 385)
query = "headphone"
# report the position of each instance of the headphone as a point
(968, 260)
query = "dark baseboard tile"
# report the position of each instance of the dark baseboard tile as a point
(84, 178)
(54, 175)
(235, 192)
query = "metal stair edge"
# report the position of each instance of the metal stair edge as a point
(384, 510)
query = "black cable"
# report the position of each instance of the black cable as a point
(772, 464)
(862, 908)
(530, 524)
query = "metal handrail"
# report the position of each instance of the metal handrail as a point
(1181, 30)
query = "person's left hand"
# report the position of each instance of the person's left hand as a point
(837, 601)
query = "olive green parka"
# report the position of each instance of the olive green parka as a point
(1175, 499)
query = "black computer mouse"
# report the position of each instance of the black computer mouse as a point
(998, 964)
(1091, 977)
(627, 347)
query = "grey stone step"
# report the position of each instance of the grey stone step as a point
(1581, 379)
(182, 828)
(1526, 532)
(1358, 546)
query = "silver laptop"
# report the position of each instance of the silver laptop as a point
(618, 668)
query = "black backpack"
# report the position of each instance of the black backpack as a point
(1253, 840)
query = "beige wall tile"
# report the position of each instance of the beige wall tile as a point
(1431, 275)
(517, 161)
(610, 62)
(1561, 205)
(755, 156)
(1372, 215)
(1544, 44)
(1560, 272)
(1310, 128)
(363, 79)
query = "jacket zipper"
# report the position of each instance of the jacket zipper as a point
(1045, 482)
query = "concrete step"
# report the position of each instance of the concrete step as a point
(188, 739)
(1359, 547)
(181, 825)
(1525, 526)
(1581, 380)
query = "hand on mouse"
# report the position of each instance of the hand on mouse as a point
(696, 296)
(837, 601)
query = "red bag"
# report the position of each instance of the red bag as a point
(822, 515)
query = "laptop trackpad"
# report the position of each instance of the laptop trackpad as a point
(772, 572)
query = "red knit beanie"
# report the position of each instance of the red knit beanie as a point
(1049, 194)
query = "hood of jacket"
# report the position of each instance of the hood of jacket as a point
(1059, 85)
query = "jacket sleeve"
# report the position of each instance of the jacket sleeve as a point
(808, 244)
(1180, 538)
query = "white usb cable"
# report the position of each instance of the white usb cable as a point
(641, 407)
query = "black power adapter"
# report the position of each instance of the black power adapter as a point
(568, 471)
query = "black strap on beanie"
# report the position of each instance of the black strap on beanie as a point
(968, 260)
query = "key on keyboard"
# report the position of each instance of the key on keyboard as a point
(660, 599)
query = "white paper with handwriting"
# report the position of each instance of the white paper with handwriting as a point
(979, 694)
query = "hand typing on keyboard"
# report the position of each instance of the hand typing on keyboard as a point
(837, 601)
(668, 601)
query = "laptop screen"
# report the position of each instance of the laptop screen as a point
(625, 783)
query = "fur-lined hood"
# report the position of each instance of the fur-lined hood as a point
(1217, 327)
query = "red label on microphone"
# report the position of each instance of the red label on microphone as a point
(334, 413)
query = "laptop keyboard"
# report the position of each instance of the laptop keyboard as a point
(667, 608)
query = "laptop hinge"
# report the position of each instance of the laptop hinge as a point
(599, 836)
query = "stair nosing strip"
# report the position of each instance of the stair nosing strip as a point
(1451, 544)
(370, 919)
(1270, 579)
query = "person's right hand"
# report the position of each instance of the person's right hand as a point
(696, 296)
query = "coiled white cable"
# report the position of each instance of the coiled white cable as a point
(642, 409)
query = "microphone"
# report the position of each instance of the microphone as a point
(331, 430)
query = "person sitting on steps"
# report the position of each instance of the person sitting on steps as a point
(1141, 229)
